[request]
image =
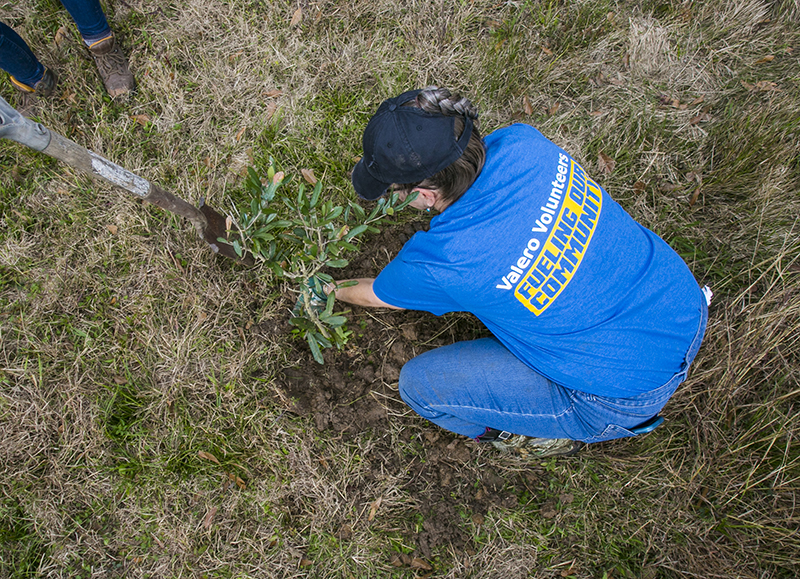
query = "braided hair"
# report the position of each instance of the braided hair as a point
(452, 181)
(442, 101)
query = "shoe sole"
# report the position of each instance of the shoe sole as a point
(530, 452)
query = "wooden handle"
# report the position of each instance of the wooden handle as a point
(92, 164)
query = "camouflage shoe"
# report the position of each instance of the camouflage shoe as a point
(113, 67)
(529, 447)
(27, 105)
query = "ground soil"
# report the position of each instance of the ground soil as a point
(356, 390)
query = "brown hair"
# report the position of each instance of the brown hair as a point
(454, 180)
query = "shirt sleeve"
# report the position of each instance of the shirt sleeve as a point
(412, 286)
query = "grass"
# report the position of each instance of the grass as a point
(129, 353)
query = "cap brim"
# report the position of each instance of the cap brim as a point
(366, 186)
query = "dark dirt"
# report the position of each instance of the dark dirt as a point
(352, 391)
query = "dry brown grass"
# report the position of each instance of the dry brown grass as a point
(123, 355)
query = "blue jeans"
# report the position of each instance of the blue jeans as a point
(17, 59)
(468, 386)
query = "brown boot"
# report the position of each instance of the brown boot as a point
(113, 67)
(27, 105)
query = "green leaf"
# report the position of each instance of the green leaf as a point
(342, 334)
(329, 305)
(403, 204)
(304, 324)
(316, 194)
(358, 230)
(315, 351)
(261, 232)
(253, 183)
(335, 212)
(322, 340)
(359, 211)
(268, 194)
(335, 321)
(337, 263)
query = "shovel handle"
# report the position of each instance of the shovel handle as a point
(15, 127)
(93, 164)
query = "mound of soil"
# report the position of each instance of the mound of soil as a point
(356, 390)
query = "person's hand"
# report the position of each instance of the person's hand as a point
(318, 299)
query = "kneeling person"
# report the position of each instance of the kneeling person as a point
(595, 318)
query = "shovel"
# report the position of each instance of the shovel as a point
(210, 224)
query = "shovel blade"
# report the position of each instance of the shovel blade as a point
(216, 229)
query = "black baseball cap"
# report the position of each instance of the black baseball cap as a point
(406, 145)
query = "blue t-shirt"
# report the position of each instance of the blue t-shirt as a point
(556, 270)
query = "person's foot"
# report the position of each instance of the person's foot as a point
(113, 67)
(28, 96)
(529, 447)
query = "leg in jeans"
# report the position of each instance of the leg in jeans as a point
(469, 386)
(26, 71)
(112, 64)
(89, 18)
(17, 59)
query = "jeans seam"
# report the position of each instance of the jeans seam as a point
(442, 408)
